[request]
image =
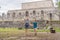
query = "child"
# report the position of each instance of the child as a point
(26, 25)
(35, 27)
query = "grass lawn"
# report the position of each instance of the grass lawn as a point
(12, 33)
(31, 30)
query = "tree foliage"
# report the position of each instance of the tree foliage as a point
(59, 4)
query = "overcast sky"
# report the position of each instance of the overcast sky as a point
(13, 4)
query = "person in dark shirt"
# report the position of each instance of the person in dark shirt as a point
(26, 25)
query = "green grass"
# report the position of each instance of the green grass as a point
(57, 29)
(15, 32)
(31, 30)
(8, 29)
(39, 30)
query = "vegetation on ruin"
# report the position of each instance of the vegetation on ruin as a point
(58, 3)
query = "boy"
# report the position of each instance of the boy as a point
(35, 27)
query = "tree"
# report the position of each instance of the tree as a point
(58, 3)
(59, 8)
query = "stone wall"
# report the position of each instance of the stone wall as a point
(21, 14)
(41, 24)
(38, 4)
(17, 24)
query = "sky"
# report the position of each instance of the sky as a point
(6, 5)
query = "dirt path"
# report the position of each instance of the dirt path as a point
(31, 36)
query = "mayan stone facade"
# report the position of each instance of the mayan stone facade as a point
(40, 10)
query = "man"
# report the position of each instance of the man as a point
(35, 27)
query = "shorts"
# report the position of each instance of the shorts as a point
(26, 26)
(35, 27)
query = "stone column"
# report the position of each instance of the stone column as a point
(42, 15)
(59, 16)
(51, 19)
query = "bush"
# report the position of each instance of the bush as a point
(19, 28)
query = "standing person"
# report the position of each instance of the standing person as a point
(35, 27)
(26, 25)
